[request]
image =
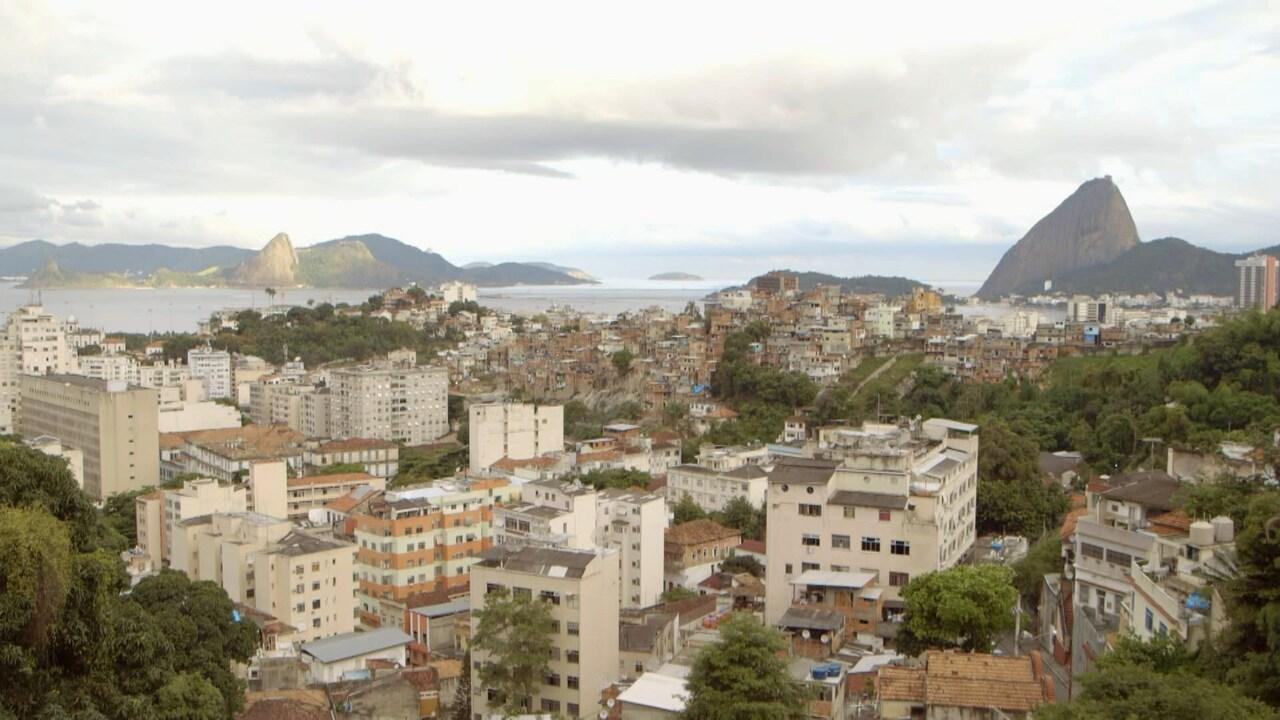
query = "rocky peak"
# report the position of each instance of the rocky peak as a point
(1092, 226)
(275, 264)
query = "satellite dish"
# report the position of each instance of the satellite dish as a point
(804, 634)
(825, 638)
(611, 702)
(604, 714)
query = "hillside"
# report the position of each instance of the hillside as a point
(28, 257)
(275, 265)
(888, 285)
(1091, 227)
(1157, 266)
(675, 276)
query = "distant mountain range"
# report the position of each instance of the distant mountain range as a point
(355, 261)
(887, 285)
(1089, 245)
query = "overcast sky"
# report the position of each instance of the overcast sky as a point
(718, 138)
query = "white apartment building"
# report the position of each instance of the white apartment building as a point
(892, 501)
(1084, 309)
(455, 291)
(32, 342)
(157, 513)
(409, 405)
(550, 513)
(713, 490)
(723, 458)
(1174, 593)
(581, 587)
(515, 431)
(213, 369)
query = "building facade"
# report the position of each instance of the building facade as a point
(213, 369)
(408, 405)
(1257, 282)
(515, 431)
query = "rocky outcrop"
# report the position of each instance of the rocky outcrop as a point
(275, 265)
(1091, 227)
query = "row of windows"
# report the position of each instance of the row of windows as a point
(896, 579)
(849, 511)
(869, 544)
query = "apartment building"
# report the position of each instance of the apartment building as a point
(423, 538)
(275, 401)
(157, 513)
(228, 453)
(515, 431)
(213, 369)
(302, 579)
(550, 513)
(713, 490)
(32, 342)
(115, 427)
(408, 405)
(380, 458)
(581, 587)
(1257, 282)
(887, 500)
(632, 523)
(693, 552)
(1174, 593)
(315, 491)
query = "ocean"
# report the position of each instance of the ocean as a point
(180, 309)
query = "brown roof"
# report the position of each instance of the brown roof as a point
(696, 532)
(979, 680)
(1151, 489)
(802, 471)
(249, 441)
(542, 461)
(902, 684)
(286, 705)
(1174, 522)
(354, 444)
(332, 479)
(602, 456)
(752, 546)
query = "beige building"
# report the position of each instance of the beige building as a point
(54, 447)
(892, 501)
(713, 490)
(304, 580)
(582, 588)
(112, 424)
(515, 431)
(408, 405)
(32, 342)
(316, 491)
(159, 512)
(693, 552)
(380, 458)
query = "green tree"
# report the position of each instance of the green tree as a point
(460, 708)
(337, 469)
(1252, 642)
(742, 564)
(1043, 558)
(687, 509)
(744, 676)
(189, 697)
(616, 478)
(740, 514)
(514, 634)
(676, 594)
(271, 296)
(965, 607)
(622, 360)
(1011, 496)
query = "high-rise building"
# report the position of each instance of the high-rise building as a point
(213, 369)
(116, 427)
(893, 502)
(1084, 309)
(408, 405)
(160, 511)
(32, 342)
(581, 590)
(513, 430)
(1258, 282)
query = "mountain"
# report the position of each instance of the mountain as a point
(275, 265)
(344, 263)
(412, 263)
(675, 276)
(1091, 227)
(570, 271)
(510, 273)
(474, 265)
(1157, 266)
(888, 285)
(28, 257)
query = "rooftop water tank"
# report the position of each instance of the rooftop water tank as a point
(1224, 529)
(1201, 533)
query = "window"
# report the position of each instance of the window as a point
(300, 587)
(572, 628)
(571, 656)
(886, 515)
(315, 622)
(553, 653)
(870, 544)
(550, 596)
(639, 667)
(810, 510)
(1092, 551)
(899, 579)
(550, 706)
(572, 709)
(1164, 629)
(899, 547)
(839, 568)
(492, 588)
(1149, 620)
(555, 627)
(787, 569)
(315, 585)
(300, 607)
(810, 540)
(1119, 558)
(806, 567)
(552, 679)
(572, 682)
(315, 604)
(840, 542)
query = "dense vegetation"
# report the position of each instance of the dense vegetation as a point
(745, 675)
(762, 395)
(75, 641)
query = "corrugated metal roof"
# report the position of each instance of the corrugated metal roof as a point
(341, 647)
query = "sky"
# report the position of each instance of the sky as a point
(722, 139)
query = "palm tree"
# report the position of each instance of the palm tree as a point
(271, 296)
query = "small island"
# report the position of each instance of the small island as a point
(674, 276)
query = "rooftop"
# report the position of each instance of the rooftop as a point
(811, 618)
(653, 690)
(349, 444)
(300, 543)
(1149, 488)
(802, 471)
(855, 498)
(550, 562)
(330, 479)
(831, 578)
(354, 644)
(696, 532)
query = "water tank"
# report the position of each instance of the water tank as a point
(1201, 533)
(1224, 529)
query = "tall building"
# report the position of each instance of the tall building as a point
(777, 282)
(32, 342)
(160, 511)
(424, 538)
(1258, 282)
(213, 369)
(408, 405)
(515, 431)
(1085, 309)
(891, 501)
(581, 587)
(116, 427)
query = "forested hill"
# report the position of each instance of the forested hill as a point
(887, 285)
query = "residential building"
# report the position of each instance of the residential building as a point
(1175, 592)
(380, 458)
(418, 539)
(777, 282)
(694, 551)
(513, 430)
(973, 686)
(550, 513)
(54, 447)
(1084, 309)
(582, 589)
(349, 655)
(112, 424)
(406, 405)
(713, 490)
(228, 453)
(1258, 282)
(158, 512)
(213, 369)
(316, 491)
(633, 523)
(32, 342)
(892, 501)
(454, 291)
